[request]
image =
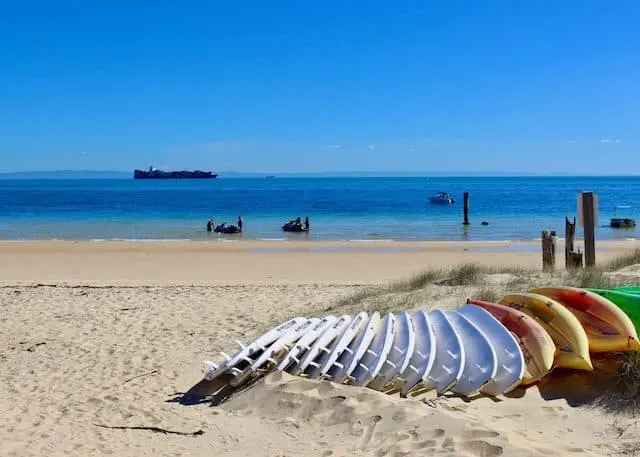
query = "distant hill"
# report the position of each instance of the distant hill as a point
(66, 174)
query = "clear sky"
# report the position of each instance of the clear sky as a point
(321, 85)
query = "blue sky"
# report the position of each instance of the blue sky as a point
(321, 85)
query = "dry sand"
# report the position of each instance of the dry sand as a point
(106, 342)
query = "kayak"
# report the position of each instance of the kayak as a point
(572, 344)
(608, 328)
(635, 290)
(629, 303)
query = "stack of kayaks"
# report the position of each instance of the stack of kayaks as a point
(481, 348)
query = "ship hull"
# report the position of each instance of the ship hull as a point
(158, 174)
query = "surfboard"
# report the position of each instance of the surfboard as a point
(424, 354)
(450, 355)
(404, 341)
(572, 344)
(480, 362)
(375, 356)
(510, 360)
(348, 361)
(272, 355)
(608, 328)
(249, 353)
(304, 344)
(340, 345)
(537, 345)
(629, 303)
(320, 348)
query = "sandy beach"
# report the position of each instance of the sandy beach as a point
(259, 262)
(101, 335)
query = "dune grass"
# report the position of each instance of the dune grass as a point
(623, 395)
(623, 261)
(408, 292)
(591, 278)
(489, 294)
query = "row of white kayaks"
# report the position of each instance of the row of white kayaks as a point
(467, 352)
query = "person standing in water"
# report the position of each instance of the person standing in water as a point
(306, 223)
(240, 223)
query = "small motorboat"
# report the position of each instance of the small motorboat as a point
(442, 198)
(223, 228)
(293, 227)
(621, 222)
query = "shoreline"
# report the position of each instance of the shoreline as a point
(261, 262)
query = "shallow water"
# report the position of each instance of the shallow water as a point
(362, 209)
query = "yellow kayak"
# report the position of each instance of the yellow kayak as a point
(572, 344)
(608, 328)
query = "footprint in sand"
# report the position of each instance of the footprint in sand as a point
(422, 445)
(436, 433)
(479, 448)
(367, 431)
(475, 434)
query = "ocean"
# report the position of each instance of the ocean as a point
(365, 209)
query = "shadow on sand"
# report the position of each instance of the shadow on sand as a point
(607, 387)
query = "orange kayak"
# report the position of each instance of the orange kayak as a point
(572, 344)
(537, 346)
(608, 328)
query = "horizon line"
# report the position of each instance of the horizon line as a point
(354, 173)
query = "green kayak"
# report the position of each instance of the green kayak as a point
(635, 290)
(627, 302)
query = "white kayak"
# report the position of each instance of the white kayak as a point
(319, 349)
(341, 345)
(347, 363)
(375, 356)
(511, 364)
(276, 351)
(480, 363)
(304, 344)
(424, 354)
(249, 353)
(404, 341)
(450, 354)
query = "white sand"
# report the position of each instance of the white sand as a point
(69, 357)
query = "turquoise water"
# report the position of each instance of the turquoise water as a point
(339, 208)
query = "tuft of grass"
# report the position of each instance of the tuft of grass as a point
(488, 294)
(465, 275)
(421, 280)
(593, 278)
(623, 397)
(623, 261)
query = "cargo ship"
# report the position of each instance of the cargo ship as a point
(153, 173)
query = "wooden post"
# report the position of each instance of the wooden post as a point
(548, 250)
(588, 219)
(466, 208)
(572, 259)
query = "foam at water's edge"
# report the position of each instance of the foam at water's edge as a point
(142, 240)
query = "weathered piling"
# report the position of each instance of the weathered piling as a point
(466, 208)
(589, 223)
(548, 250)
(572, 258)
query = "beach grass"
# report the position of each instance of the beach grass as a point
(410, 291)
(488, 294)
(622, 395)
